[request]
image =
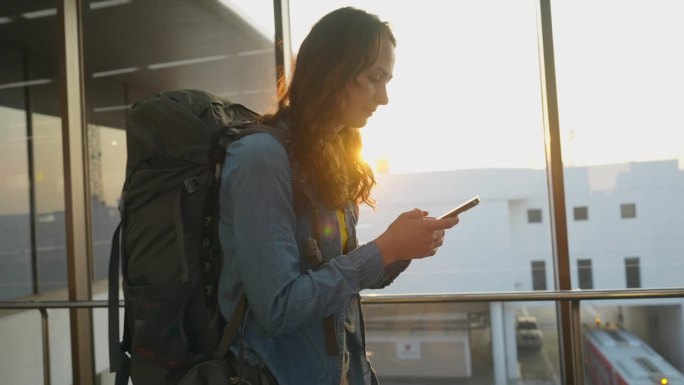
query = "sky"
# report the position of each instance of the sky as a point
(466, 89)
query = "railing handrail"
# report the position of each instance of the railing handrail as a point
(558, 295)
(63, 304)
(574, 296)
(519, 296)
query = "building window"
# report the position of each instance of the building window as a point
(628, 210)
(581, 213)
(534, 216)
(584, 274)
(632, 272)
(538, 275)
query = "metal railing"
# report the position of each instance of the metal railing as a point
(573, 297)
(562, 295)
(42, 307)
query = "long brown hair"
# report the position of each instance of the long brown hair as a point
(342, 44)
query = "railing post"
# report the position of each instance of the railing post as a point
(496, 316)
(46, 345)
(577, 343)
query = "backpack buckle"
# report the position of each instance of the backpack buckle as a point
(191, 185)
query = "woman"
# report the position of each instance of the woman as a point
(289, 210)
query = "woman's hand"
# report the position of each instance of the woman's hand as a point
(413, 235)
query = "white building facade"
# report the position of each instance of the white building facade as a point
(625, 223)
(625, 228)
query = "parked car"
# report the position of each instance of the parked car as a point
(528, 333)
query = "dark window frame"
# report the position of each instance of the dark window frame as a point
(539, 275)
(580, 213)
(632, 273)
(534, 216)
(585, 274)
(628, 210)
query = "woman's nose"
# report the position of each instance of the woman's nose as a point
(381, 95)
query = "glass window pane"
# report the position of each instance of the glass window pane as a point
(32, 238)
(581, 213)
(22, 330)
(538, 275)
(534, 216)
(221, 47)
(628, 210)
(463, 343)
(463, 119)
(619, 78)
(584, 274)
(633, 272)
(134, 49)
(16, 248)
(633, 341)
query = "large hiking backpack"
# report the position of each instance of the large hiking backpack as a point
(167, 241)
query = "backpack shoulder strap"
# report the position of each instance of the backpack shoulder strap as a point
(113, 302)
(119, 361)
(231, 328)
(278, 132)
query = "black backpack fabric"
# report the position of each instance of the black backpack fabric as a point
(167, 243)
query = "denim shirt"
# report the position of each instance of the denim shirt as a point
(263, 233)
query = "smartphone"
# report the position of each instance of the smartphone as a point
(467, 205)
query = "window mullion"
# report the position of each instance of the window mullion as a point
(568, 320)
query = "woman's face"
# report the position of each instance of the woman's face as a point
(368, 90)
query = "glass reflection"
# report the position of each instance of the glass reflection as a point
(633, 342)
(467, 343)
(463, 119)
(135, 49)
(622, 140)
(213, 46)
(32, 251)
